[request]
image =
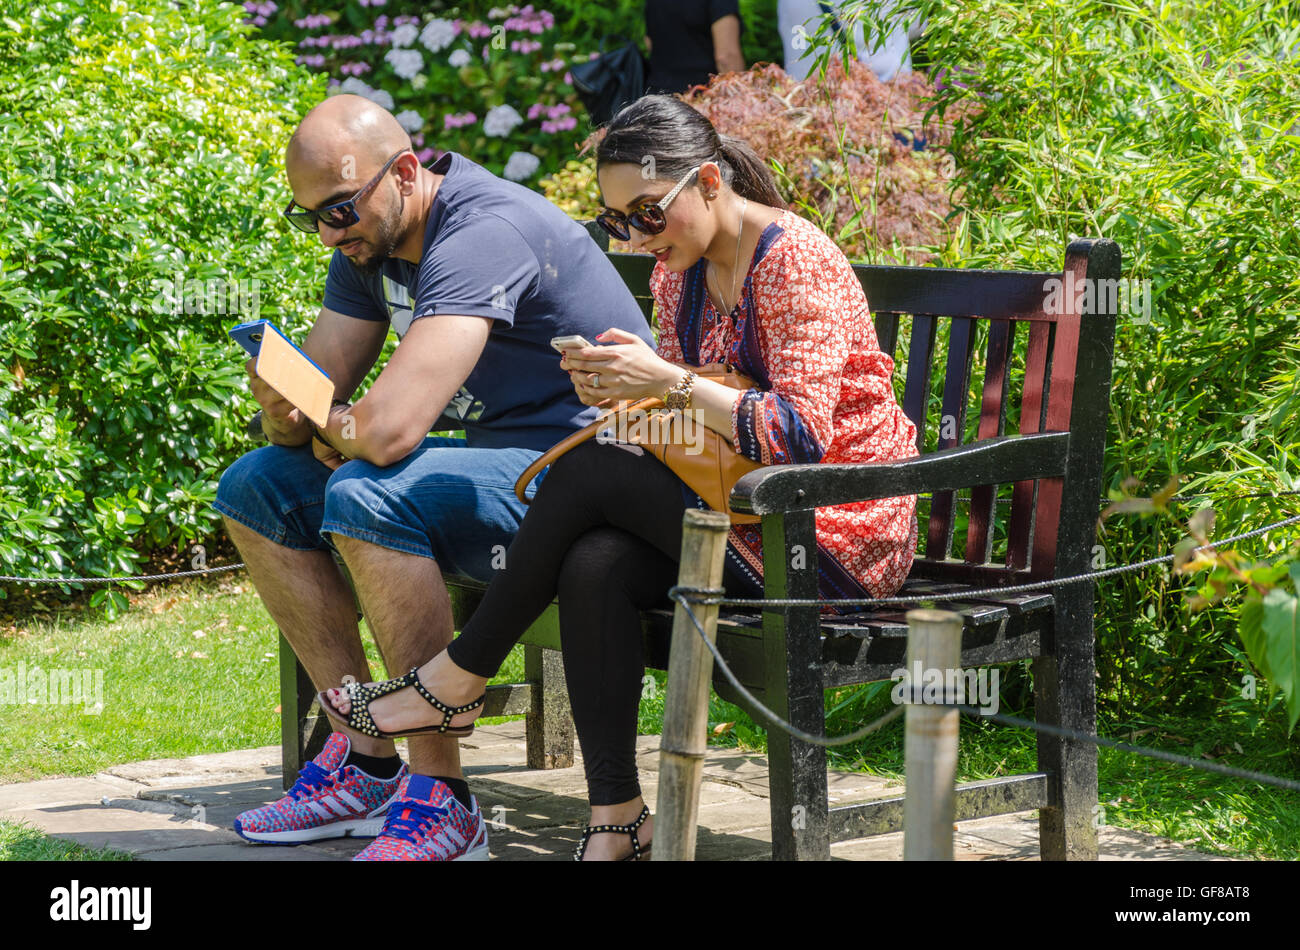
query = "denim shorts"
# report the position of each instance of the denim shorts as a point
(444, 501)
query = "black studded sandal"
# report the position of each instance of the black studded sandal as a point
(638, 852)
(362, 695)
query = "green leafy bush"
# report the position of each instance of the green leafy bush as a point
(1169, 128)
(141, 188)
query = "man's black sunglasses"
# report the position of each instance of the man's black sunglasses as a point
(337, 216)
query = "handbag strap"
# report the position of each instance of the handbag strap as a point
(715, 371)
(576, 439)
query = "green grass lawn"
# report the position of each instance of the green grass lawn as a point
(192, 669)
(22, 842)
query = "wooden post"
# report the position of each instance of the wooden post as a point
(686, 706)
(930, 743)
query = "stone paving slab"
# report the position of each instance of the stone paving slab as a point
(182, 809)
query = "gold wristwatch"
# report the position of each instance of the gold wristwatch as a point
(678, 398)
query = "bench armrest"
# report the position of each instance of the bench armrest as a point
(1008, 458)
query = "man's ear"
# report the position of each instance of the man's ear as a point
(408, 173)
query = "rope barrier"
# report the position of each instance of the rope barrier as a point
(1240, 495)
(711, 598)
(8, 579)
(1058, 731)
(118, 580)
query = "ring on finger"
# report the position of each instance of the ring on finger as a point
(595, 380)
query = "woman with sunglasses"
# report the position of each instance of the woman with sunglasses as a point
(739, 280)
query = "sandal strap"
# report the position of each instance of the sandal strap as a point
(629, 830)
(447, 711)
(362, 695)
(359, 717)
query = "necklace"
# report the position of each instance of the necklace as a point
(735, 269)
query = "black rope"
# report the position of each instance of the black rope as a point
(763, 712)
(118, 580)
(8, 579)
(1188, 497)
(1160, 754)
(968, 594)
(678, 595)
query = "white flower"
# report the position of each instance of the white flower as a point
(405, 62)
(501, 120)
(354, 86)
(403, 35)
(437, 35)
(410, 120)
(459, 58)
(357, 87)
(522, 166)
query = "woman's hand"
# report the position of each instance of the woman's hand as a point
(626, 369)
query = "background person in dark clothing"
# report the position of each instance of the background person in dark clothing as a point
(690, 40)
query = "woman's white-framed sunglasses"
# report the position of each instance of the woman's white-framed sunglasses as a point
(648, 218)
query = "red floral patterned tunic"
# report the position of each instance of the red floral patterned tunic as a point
(803, 331)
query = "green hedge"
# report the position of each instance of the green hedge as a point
(142, 185)
(1172, 129)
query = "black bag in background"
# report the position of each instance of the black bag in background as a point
(609, 82)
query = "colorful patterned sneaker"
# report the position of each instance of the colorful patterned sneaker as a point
(427, 823)
(329, 800)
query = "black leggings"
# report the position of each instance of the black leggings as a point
(605, 533)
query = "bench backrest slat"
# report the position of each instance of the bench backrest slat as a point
(916, 387)
(952, 424)
(887, 331)
(993, 422)
(1033, 403)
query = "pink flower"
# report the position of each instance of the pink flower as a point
(453, 121)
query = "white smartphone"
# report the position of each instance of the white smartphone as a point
(562, 343)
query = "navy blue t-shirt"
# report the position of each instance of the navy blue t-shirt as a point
(496, 249)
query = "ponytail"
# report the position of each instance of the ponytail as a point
(752, 177)
(677, 138)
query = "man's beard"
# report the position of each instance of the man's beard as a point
(386, 241)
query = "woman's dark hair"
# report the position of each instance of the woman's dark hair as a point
(678, 138)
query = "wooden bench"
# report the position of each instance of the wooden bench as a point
(788, 657)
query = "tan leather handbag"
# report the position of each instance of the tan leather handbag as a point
(710, 468)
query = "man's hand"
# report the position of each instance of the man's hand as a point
(282, 423)
(327, 455)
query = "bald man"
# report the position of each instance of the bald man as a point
(476, 275)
